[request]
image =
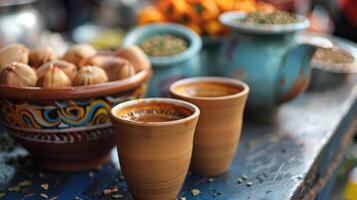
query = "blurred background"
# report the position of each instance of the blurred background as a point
(103, 23)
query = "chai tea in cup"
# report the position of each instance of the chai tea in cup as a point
(207, 89)
(154, 112)
(155, 140)
(221, 102)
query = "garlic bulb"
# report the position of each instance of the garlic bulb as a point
(96, 60)
(54, 77)
(117, 69)
(68, 68)
(90, 75)
(13, 53)
(18, 75)
(40, 56)
(78, 52)
(136, 57)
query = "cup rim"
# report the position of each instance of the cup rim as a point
(192, 107)
(230, 81)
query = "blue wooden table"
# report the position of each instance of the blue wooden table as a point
(294, 157)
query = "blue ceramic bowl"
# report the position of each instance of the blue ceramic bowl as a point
(171, 68)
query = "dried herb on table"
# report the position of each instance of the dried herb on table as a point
(29, 195)
(44, 186)
(21, 186)
(276, 17)
(44, 196)
(195, 192)
(163, 45)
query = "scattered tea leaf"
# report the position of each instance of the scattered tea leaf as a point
(44, 186)
(91, 174)
(29, 195)
(15, 188)
(24, 183)
(116, 196)
(249, 184)
(44, 195)
(195, 192)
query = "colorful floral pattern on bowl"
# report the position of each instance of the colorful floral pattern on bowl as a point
(67, 129)
(60, 118)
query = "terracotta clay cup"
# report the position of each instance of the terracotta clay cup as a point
(155, 141)
(222, 102)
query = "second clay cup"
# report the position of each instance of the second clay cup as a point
(221, 102)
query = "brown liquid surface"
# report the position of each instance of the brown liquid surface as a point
(154, 118)
(207, 89)
(154, 112)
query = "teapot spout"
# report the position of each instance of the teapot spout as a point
(295, 72)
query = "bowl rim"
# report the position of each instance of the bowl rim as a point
(227, 18)
(77, 92)
(133, 37)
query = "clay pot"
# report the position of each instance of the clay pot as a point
(67, 129)
(221, 102)
(154, 152)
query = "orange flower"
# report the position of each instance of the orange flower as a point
(213, 28)
(177, 11)
(225, 5)
(204, 9)
(150, 15)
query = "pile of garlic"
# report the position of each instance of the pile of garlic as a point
(80, 65)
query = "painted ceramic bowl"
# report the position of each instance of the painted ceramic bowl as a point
(170, 68)
(67, 129)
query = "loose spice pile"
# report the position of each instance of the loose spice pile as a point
(276, 17)
(163, 45)
(333, 56)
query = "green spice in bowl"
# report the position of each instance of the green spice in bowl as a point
(333, 56)
(163, 45)
(277, 17)
(173, 51)
(266, 23)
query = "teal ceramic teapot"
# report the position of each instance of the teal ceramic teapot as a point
(272, 59)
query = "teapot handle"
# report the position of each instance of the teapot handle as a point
(295, 72)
